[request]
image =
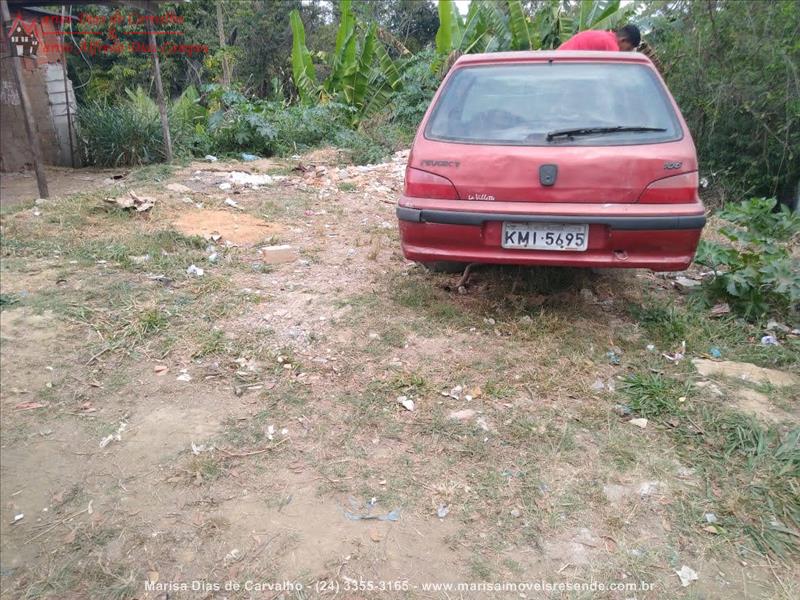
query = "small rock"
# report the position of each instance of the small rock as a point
(641, 423)
(179, 188)
(462, 415)
(274, 255)
(686, 284)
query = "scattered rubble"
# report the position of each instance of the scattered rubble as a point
(133, 201)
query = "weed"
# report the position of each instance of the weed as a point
(652, 395)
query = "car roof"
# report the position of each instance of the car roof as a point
(547, 55)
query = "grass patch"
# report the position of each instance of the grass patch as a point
(652, 395)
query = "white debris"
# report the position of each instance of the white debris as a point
(406, 403)
(249, 179)
(687, 575)
(641, 423)
(195, 270)
(225, 186)
(184, 376)
(232, 203)
(200, 448)
(211, 158)
(117, 436)
(18, 518)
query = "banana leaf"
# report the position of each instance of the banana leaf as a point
(305, 79)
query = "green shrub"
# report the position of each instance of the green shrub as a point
(120, 135)
(755, 273)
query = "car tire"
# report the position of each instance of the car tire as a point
(445, 266)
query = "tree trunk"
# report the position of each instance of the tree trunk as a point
(162, 105)
(226, 68)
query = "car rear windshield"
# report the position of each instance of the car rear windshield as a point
(519, 104)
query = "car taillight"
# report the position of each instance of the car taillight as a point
(421, 184)
(678, 189)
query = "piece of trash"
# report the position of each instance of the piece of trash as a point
(28, 405)
(248, 157)
(111, 437)
(641, 422)
(200, 448)
(184, 376)
(719, 310)
(195, 270)
(134, 201)
(225, 185)
(233, 556)
(715, 352)
(678, 355)
(598, 385)
(650, 347)
(271, 432)
(390, 516)
(710, 517)
(212, 258)
(442, 511)
(211, 158)
(232, 203)
(613, 358)
(516, 513)
(160, 369)
(687, 575)
(17, 518)
(406, 402)
(769, 340)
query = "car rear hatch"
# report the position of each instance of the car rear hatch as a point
(547, 131)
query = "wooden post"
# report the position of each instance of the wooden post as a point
(162, 106)
(30, 126)
(66, 86)
(226, 68)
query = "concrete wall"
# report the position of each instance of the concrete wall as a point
(44, 81)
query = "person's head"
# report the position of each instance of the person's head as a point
(628, 38)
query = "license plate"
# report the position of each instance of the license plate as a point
(545, 236)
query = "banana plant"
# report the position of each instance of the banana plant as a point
(489, 29)
(362, 74)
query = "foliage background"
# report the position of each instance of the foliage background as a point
(732, 66)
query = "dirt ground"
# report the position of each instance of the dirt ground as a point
(315, 412)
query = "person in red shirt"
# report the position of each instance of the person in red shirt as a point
(623, 39)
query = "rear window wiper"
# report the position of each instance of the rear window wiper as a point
(593, 130)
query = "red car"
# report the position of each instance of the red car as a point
(577, 159)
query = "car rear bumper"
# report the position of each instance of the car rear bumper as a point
(662, 237)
